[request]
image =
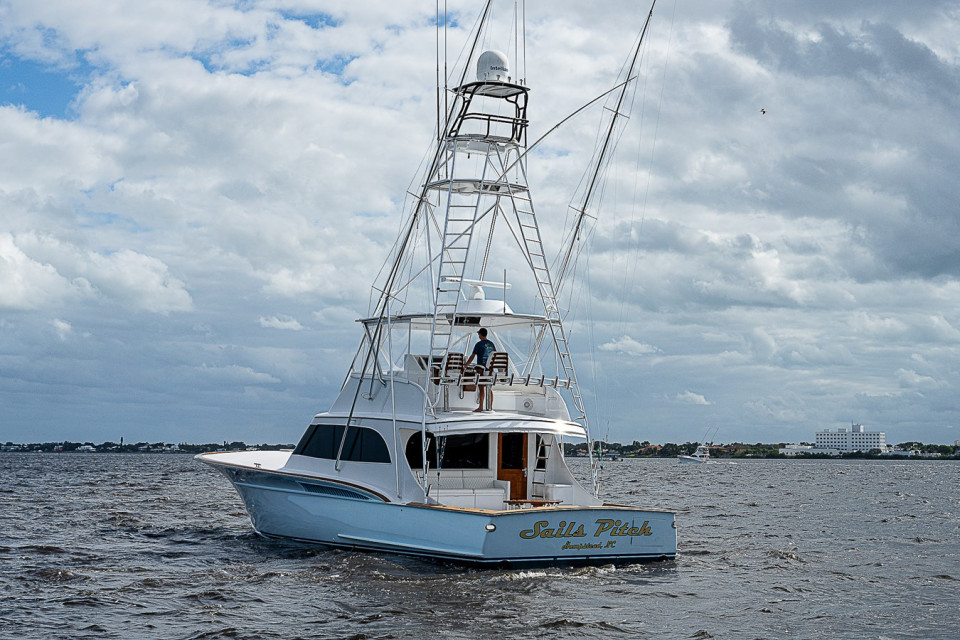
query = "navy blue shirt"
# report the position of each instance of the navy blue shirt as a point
(482, 351)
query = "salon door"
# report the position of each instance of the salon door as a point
(512, 463)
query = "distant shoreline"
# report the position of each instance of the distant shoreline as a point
(611, 452)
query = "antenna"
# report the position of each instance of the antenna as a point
(437, 54)
(446, 110)
(523, 32)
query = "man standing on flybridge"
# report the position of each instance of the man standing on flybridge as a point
(482, 351)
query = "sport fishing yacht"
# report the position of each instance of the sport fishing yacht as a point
(701, 455)
(406, 460)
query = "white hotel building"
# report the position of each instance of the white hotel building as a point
(856, 439)
(839, 441)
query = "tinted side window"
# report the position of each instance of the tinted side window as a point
(467, 451)
(362, 444)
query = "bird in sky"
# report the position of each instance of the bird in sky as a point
(763, 112)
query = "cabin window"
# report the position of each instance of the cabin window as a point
(467, 451)
(512, 450)
(362, 444)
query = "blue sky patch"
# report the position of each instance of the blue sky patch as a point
(335, 65)
(313, 20)
(451, 19)
(44, 89)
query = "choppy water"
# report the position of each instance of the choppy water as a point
(159, 546)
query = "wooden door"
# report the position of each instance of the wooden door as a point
(512, 463)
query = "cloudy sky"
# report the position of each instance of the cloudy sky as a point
(195, 197)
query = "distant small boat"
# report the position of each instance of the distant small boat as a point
(700, 456)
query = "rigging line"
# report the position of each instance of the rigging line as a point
(585, 231)
(394, 254)
(630, 233)
(581, 299)
(481, 25)
(436, 51)
(571, 115)
(575, 239)
(431, 259)
(656, 130)
(435, 164)
(494, 15)
(636, 182)
(445, 76)
(630, 226)
(592, 341)
(486, 253)
(494, 209)
(569, 228)
(478, 26)
(600, 203)
(403, 293)
(385, 296)
(609, 137)
(588, 168)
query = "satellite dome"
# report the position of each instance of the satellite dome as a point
(493, 66)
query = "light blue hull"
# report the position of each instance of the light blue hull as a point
(344, 516)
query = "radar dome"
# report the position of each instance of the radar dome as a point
(493, 66)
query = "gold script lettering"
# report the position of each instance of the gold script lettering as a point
(604, 525)
(543, 529)
(620, 528)
(527, 534)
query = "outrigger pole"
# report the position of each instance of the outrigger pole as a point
(607, 145)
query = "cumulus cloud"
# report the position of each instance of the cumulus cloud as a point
(912, 380)
(275, 322)
(217, 164)
(63, 329)
(26, 283)
(141, 281)
(236, 374)
(629, 346)
(689, 397)
(124, 277)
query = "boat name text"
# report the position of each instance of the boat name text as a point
(573, 529)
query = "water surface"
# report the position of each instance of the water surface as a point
(159, 546)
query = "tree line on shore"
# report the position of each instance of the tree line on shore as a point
(741, 450)
(636, 449)
(138, 447)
